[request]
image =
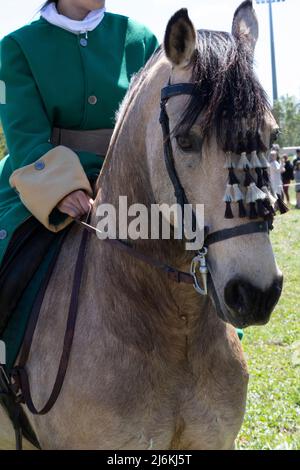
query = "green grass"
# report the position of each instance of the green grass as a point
(272, 418)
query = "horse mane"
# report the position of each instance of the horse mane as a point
(135, 83)
(230, 99)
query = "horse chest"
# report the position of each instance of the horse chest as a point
(181, 411)
(199, 420)
(170, 410)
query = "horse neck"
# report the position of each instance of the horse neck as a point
(126, 173)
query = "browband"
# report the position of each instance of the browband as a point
(179, 89)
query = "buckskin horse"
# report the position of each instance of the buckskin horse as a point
(155, 365)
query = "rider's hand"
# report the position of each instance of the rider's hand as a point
(75, 204)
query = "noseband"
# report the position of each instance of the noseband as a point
(198, 265)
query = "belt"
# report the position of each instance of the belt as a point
(93, 141)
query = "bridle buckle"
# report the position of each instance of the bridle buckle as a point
(199, 267)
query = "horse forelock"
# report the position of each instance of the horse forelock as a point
(231, 100)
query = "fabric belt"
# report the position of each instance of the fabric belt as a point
(94, 141)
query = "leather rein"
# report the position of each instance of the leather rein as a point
(19, 376)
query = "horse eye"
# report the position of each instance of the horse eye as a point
(184, 142)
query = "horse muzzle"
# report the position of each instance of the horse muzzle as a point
(248, 305)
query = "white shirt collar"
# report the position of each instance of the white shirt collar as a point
(90, 22)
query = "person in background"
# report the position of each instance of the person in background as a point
(297, 158)
(276, 170)
(287, 176)
(276, 148)
(297, 179)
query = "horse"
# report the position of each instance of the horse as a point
(155, 365)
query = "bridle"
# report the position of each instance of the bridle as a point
(198, 264)
(198, 269)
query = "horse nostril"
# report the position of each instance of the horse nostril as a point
(250, 303)
(236, 296)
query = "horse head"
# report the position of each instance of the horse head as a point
(228, 119)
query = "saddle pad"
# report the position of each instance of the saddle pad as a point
(25, 253)
(16, 327)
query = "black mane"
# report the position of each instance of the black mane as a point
(230, 99)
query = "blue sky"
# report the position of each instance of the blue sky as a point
(208, 14)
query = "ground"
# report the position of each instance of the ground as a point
(272, 418)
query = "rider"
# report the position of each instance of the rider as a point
(67, 71)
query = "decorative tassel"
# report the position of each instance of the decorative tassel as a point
(229, 163)
(228, 194)
(258, 193)
(268, 205)
(250, 194)
(266, 178)
(253, 213)
(282, 207)
(232, 178)
(242, 210)
(269, 196)
(254, 193)
(244, 163)
(248, 178)
(263, 161)
(228, 200)
(260, 182)
(238, 197)
(237, 193)
(254, 161)
(228, 211)
(262, 210)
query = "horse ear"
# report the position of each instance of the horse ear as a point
(245, 24)
(180, 39)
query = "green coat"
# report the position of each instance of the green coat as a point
(49, 75)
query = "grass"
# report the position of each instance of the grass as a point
(272, 418)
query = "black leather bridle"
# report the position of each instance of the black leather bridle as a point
(249, 228)
(198, 265)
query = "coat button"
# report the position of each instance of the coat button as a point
(3, 234)
(92, 99)
(39, 165)
(83, 42)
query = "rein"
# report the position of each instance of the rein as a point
(174, 274)
(19, 376)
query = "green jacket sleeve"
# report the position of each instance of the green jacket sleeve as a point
(28, 130)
